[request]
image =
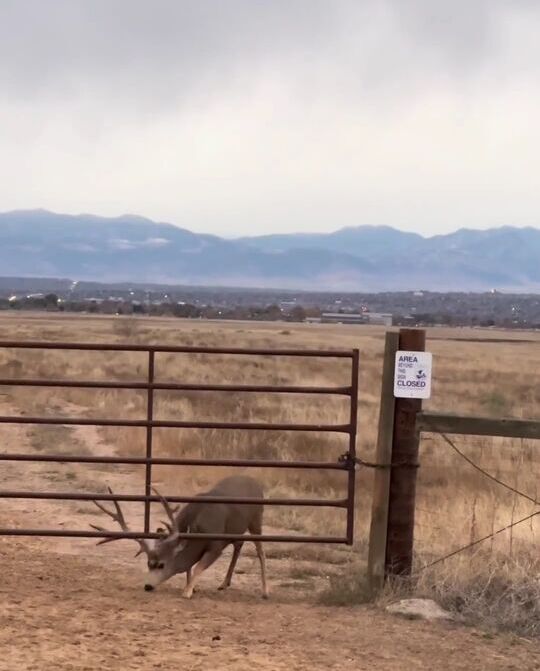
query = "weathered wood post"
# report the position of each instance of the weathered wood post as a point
(392, 523)
(381, 478)
(402, 496)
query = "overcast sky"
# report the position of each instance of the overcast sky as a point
(259, 116)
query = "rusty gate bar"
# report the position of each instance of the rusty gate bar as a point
(344, 463)
(352, 447)
(171, 424)
(112, 347)
(73, 533)
(139, 498)
(170, 386)
(171, 461)
(149, 437)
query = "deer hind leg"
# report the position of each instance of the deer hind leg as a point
(262, 561)
(208, 558)
(256, 529)
(236, 553)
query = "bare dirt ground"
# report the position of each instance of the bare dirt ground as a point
(68, 605)
(63, 612)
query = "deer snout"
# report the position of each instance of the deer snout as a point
(157, 576)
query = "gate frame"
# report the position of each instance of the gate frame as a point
(346, 461)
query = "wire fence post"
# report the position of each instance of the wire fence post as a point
(381, 477)
(402, 494)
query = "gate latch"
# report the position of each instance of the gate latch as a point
(352, 462)
(349, 462)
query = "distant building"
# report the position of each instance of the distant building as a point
(288, 305)
(356, 318)
(381, 318)
(343, 318)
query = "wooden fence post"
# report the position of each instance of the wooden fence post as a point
(381, 479)
(401, 504)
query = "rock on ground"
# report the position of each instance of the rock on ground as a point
(421, 609)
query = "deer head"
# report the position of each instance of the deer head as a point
(161, 553)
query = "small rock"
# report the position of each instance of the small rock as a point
(419, 609)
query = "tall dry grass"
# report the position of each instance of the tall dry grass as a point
(497, 581)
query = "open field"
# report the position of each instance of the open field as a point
(483, 372)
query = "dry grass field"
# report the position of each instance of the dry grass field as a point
(495, 585)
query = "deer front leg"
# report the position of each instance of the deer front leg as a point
(188, 578)
(236, 553)
(208, 558)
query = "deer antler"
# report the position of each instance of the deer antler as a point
(119, 518)
(171, 512)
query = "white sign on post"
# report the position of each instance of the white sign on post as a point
(412, 375)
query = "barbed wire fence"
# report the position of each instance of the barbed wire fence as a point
(495, 532)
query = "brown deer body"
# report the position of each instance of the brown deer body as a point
(171, 555)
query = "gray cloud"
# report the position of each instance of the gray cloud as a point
(64, 47)
(133, 49)
(236, 114)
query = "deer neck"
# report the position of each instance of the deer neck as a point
(189, 555)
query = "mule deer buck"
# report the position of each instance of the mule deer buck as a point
(170, 555)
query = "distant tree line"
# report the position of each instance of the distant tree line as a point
(408, 308)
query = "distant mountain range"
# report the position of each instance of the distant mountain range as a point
(38, 243)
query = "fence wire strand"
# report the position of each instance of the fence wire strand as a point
(485, 473)
(493, 533)
(479, 540)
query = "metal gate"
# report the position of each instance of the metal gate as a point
(346, 462)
